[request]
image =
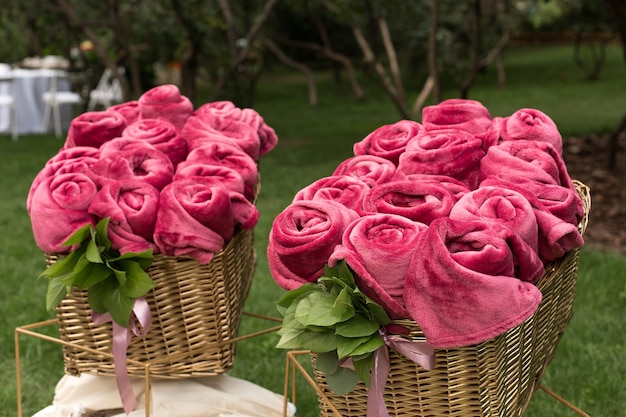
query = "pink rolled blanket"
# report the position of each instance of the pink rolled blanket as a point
(122, 144)
(220, 175)
(531, 124)
(379, 249)
(456, 187)
(452, 152)
(530, 159)
(132, 208)
(162, 135)
(128, 109)
(149, 165)
(503, 205)
(419, 201)
(344, 189)
(94, 128)
(59, 208)
(196, 218)
(302, 238)
(388, 141)
(461, 286)
(65, 162)
(370, 169)
(166, 102)
(231, 156)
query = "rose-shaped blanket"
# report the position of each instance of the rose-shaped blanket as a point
(461, 286)
(344, 189)
(452, 152)
(220, 175)
(302, 238)
(165, 102)
(115, 146)
(419, 201)
(388, 141)
(59, 208)
(379, 248)
(149, 165)
(94, 128)
(456, 187)
(531, 124)
(196, 218)
(368, 168)
(128, 109)
(162, 135)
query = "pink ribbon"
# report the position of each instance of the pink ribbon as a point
(121, 340)
(420, 353)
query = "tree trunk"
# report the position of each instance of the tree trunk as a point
(432, 51)
(475, 45)
(393, 59)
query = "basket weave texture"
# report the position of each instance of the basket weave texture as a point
(195, 310)
(496, 378)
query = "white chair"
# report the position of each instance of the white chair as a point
(107, 92)
(54, 99)
(7, 99)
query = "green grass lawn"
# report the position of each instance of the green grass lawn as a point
(590, 364)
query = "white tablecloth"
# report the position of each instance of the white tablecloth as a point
(30, 84)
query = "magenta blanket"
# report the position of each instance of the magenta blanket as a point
(149, 165)
(388, 141)
(165, 102)
(531, 124)
(452, 152)
(162, 135)
(344, 189)
(530, 159)
(419, 201)
(115, 146)
(456, 187)
(379, 248)
(230, 156)
(227, 177)
(503, 205)
(59, 208)
(196, 218)
(558, 210)
(132, 208)
(468, 115)
(461, 287)
(94, 128)
(72, 160)
(128, 109)
(368, 168)
(302, 238)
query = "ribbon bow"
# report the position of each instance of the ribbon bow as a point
(121, 340)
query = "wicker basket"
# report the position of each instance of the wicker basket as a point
(496, 378)
(195, 310)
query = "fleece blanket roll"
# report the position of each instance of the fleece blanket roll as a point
(302, 238)
(451, 152)
(419, 201)
(132, 208)
(128, 109)
(231, 156)
(344, 189)
(456, 187)
(379, 248)
(94, 128)
(151, 166)
(461, 287)
(558, 210)
(370, 169)
(220, 175)
(468, 115)
(388, 141)
(69, 162)
(195, 218)
(503, 205)
(123, 144)
(530, 159)
(165, 102)
(59, 208)
(531, 124)
(162, 135)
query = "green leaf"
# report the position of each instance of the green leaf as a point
(94, 296)
(363, 367)
(138, 282)
(377, 313)
(357, 326)
(56, 292)
(119, 305)
(290, 338)
(62, 266)
(78, 236)
(347, 345)
(342, 307)
(119, 274)
(373, 343)
(314, 309)
(318, 342)
(342, 381)
(91, 274)
(289, 297)
(100, 233)
(93, 252)
(144, 258)
(327, 362)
